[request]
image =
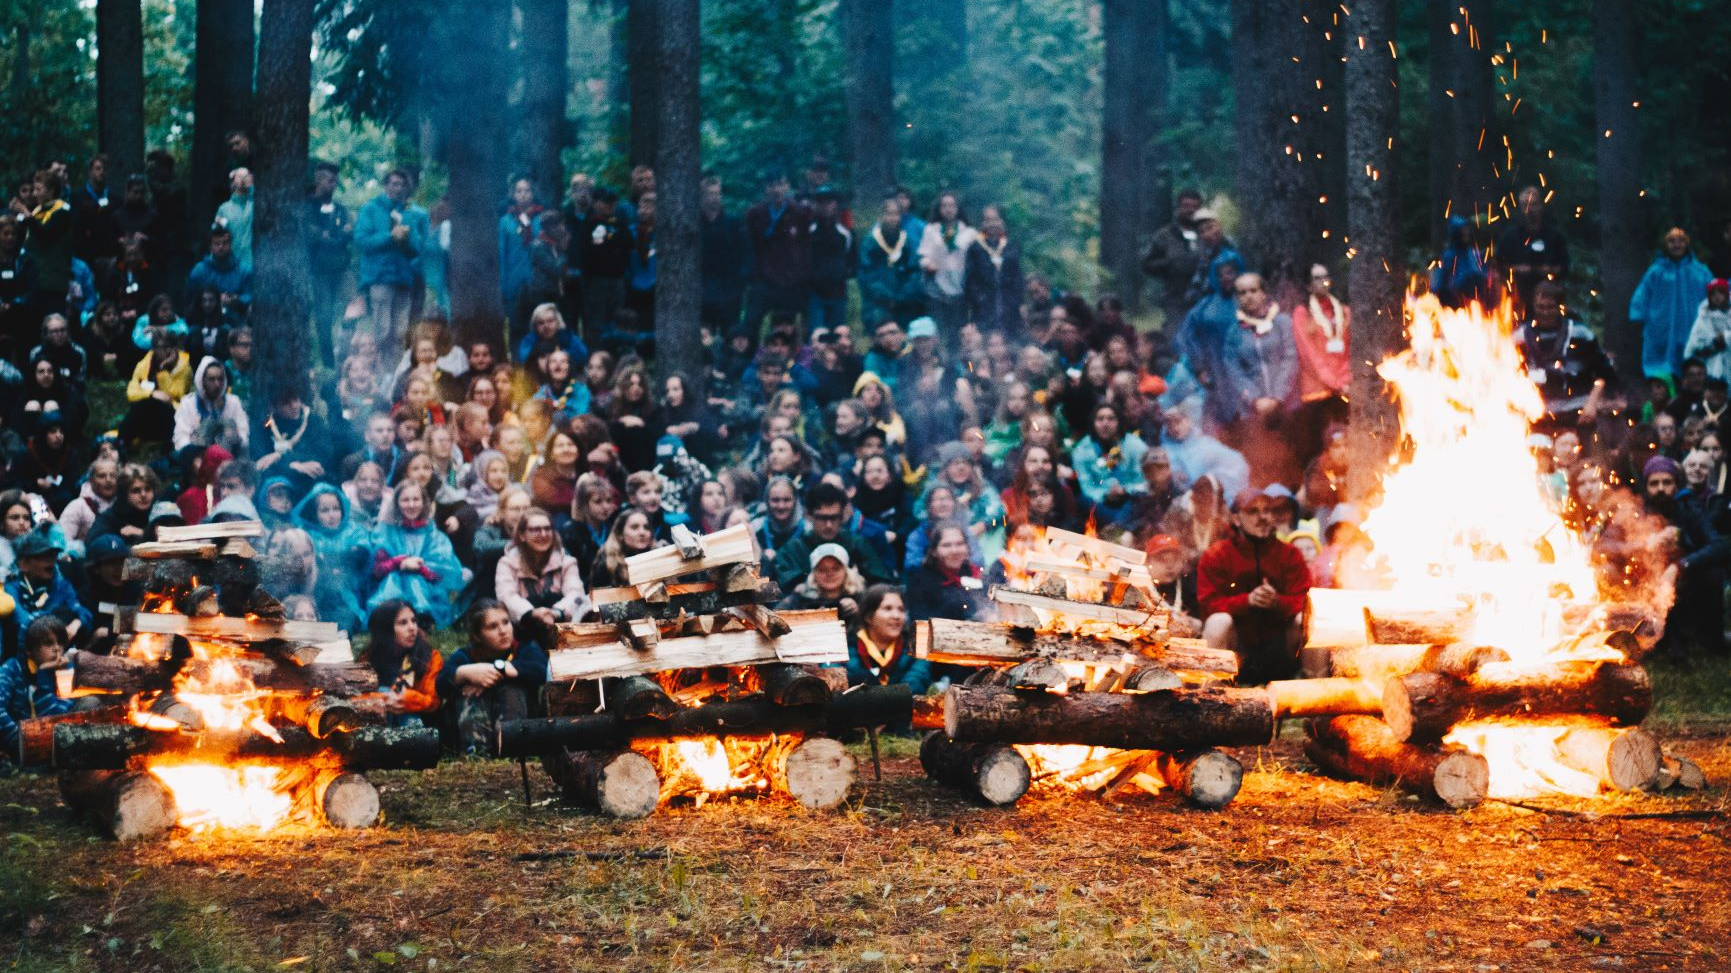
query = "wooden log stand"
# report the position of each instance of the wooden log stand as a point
(991, 772)
(1424, 705)
(1169, 720)
(1363, 748)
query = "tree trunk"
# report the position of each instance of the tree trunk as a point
(221, 100)
(477, 32)
(1135, 39)
(642, 35)
(1170, 720)
(678, 162)
(21, 63)
(1277, 109)
(1376, 275)
(1425, 705)
(992, 772)
(818, 772)
(1622, 237)
(869, 39)
(120, 85)
(280, 159)
(126, 804)
(618, 783)
(545, 50)
(1363, 748)
(1463, 149)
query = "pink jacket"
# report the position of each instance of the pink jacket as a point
(514, 586)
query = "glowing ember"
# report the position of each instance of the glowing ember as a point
(705, 767)
(213, 796)
(708, 761)
(1077, 768)
(1525, 760)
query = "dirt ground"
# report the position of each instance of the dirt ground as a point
(1300, 873)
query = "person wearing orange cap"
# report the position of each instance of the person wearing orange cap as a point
(1177, 587)
(1251, 588)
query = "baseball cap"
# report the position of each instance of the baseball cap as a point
(37, 542)
(830, 550)
(107, 548)
(923, 328)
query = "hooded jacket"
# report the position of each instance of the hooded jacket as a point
(1203, 333)
(342, 555)
(1710, 339)
(198, 418)
(81, 513)
(196, 500)
(1460, 275)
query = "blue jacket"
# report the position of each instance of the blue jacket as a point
(1202, 454)
(529, 659)
(1460, 276)
(1257, 367)
(342, 556)
(54, 598)
(383, 260)
(1665, 305)
(233, 278)
(515, 268)
(1202, 335)
(1096, 471)
(25, 695)
(565, 338)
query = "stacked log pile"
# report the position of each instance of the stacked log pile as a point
(1084, 684)
(205, 626)
(1438, 695)
(691, 685)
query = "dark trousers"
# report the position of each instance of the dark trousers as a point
(763, 298)
(602, 298)
(148, 421)
(472, 722)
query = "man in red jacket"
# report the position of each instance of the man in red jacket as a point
(1251, 588)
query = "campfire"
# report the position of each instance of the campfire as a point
(691, 688)
(220, 713)
(1503, 663)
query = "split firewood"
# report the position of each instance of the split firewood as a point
(694, 600)
(814, 637)
(1381, 662)
(233, 629)
(689, 545)
(618, 783)
(992, 772)
(735, 545)
(1035, 675)
(212, 532)
(1324, 697)
(988, 643)
(238, 547)
(1363, 748)
(1424, 705)
(1150, 678)
(639, 633)
(1095, 547)
(1677, 771)
(1397, 626)
(763, 620)
(1139, 761)
(127, 805)
(295, 653)
(167, 574)
(1167, 720)
(1208, 778)
(197, 550)
(1135, 618)
(736, 578)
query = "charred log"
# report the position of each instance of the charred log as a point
(1424, 705)
(1166, 720)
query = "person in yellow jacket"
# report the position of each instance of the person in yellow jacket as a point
(158, 383)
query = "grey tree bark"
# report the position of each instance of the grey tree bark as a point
(1135, 97)
(546, 47)
(1462, 143)
(221, 100)
(476, 33)
(1277, 175)
(1618, 143)
(641, 81)
(678, 174)
(120, 84)
(1376, 272)
(280, 161)
(869, 31)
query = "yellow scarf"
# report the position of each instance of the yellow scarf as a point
(881, 656)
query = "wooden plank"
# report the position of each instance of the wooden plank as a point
(706, 601)
(813, 637)
(1095, 547)
(1130, 617)
(234, 629)
(626, 593)
(204, 550)
(210, 532)
(735, 545)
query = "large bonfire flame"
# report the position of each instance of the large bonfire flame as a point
(1464, 521)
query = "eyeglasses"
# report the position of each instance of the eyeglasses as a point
(539, 529)
(834, 518)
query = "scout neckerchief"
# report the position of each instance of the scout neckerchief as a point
(891, 254)
(281, 443)
(1263, 325)
(997, 252)
(881, 657)
(1329, 323)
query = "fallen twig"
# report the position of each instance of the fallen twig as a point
(623, 854)
(1706, 814)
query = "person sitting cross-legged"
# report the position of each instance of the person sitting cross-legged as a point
(1251, 588)
(495, 677)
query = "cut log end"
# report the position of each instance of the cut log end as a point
(127, 805)
(350, 801)
(995, 773)
(1462, 780)
(1210, 779)
(620, 784)
(818, 773)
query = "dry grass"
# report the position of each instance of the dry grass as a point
(1300, 873)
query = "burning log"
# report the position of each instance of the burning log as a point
(754, 715)
(928, 713)
(36, 736)
(232, 629)
(818, 772)
(113, 746)
(638, 698)
(1625, 760)
(1209, 779)
(172, 574)
(1168, 720)
(986, 643)
(322, 716)
(195, 550)
(1398, 626)
(814, 637)
(121, 674)
(1424, 705)
(125, 804)
(1364, 748)
(992, 772)
(1324, 697)
(1384, 661)
(1134, 618)
(172, 710)
(349, 801)
(1151, 678)
(118, 674)
(735, 545)
(1034, 674)
(618, 783)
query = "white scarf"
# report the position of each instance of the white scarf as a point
(997, 252)
(281, 443)
(1262, 325)
(891, 254)
(1330, 324)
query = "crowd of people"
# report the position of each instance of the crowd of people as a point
(890, 400)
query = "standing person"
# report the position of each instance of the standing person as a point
(640, 276)
(1666, 302)
(1251, 588)
(1531, 251)
(1172, 257)
(1460, 277)
(172, 240)
(329, 228)
(779, 231)
(1565, 361)
(391, 233)
(494, 678)
(1321, 328)
(891, 287)
(724, 252)
(18, 315)
(1257, 385)
(93, 210)
(1710, 337)
(236, 214)
(518, 228)
(832, 263)
(50, 239)
(604, 253)
(136, 217)
(943, 257)
(992, 280)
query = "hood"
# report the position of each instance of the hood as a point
(210, 462)
(305, 513)
(258, 497)
(867, 378)
(209, 362)
(1226, 256)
